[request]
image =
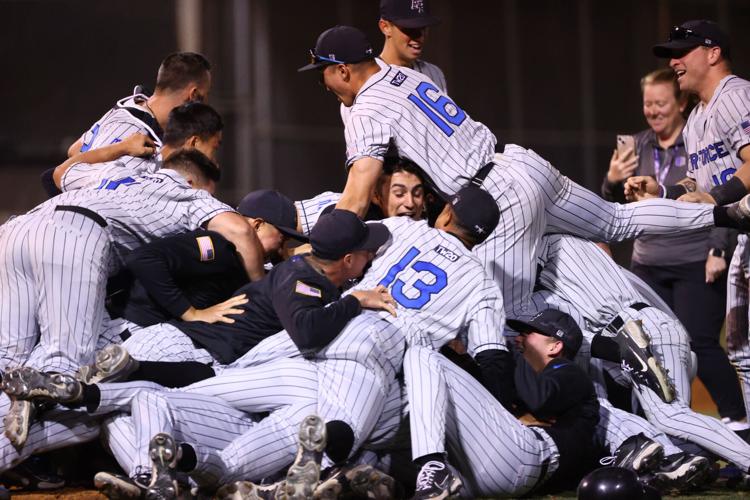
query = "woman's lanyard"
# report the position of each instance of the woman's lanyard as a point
(660, 174)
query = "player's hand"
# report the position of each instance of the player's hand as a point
(529, 419)
(300, 249)
(641, 187)
(138, 145)
(622, 167)
(715, 267)
(218, 313)
(377, 298)
(697, 197)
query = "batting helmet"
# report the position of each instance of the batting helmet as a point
(614, 483)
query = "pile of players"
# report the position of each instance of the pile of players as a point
(455, 343)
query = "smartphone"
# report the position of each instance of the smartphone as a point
(625, 142)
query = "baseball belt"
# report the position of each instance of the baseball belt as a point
(83, 211)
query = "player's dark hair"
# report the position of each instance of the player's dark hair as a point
(192, 161)
(180, 69)
(192, 119)
(392, 165)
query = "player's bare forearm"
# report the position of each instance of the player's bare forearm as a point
(363, 176)
(75, 148)
(235, 228)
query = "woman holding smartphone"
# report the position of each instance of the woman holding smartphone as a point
(687, 270)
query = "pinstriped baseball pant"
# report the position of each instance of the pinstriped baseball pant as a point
(738, 347)
(53, 272)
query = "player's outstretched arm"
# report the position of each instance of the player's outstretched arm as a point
(236, 229)
(134, 145)
(363, 175)
(75, 148)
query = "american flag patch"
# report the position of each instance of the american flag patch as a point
(310, 291)
(746, 126)
(205, 248)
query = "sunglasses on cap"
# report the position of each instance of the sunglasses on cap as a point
(680, 33)
(317, 59)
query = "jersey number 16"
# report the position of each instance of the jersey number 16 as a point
(442, 111)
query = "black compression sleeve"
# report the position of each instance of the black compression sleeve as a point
(729, 192)
(48, 183)
(497, 375)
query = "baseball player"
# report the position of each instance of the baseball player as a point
(716, 135)
(182, 77)
(396, 107)
(192, 125)
(404, 24)
(587, 280)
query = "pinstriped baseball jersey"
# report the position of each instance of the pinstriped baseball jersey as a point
(140, 208)
(440, 286)
(89, 175)
(575, 269)
(400, 108)
(715, 133)
(308, 211)
(120, 122)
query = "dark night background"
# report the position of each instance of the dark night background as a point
(561, 77)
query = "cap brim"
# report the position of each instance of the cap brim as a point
(378, 235)
(674, 48)
(416, 22)
(530, 326)
(310, 66)
(292, 233)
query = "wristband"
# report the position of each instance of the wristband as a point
(729, 192)
(675, 191)
(717, 252)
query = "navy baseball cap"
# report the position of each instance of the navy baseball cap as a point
(476, 210)
(691, 34)
(339, 45)
(552, 323)
(341, 232)
(274, 208)
(407, 13)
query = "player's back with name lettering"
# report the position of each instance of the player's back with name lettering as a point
(401, 107)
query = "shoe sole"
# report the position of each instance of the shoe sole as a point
(633, 331)
(113, 363)
(686, 476)
(163, 452)
(304, 473)
(17, 422)
(115, 488)
(648, 458)
(28, 383)
(368, 482)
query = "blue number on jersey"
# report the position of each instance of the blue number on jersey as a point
(87, 145)
(432, 108)
(114, 184)
(724, 176)
(426, 290)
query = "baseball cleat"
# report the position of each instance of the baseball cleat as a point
(245, 490)
(118, 487)
(639, 454)
(28, 383)
(113, 364)
(164, 454)
(34, 473)
(639, 361)
(304, 473)
(18, 420)
(681, 472)
(364, 481)
(436, 481)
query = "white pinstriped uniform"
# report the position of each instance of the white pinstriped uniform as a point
(714, 134)
(90, 175)
(578, 272)
(54, 264)
(442, 291)
(117, 124)
(308, 211)
(402, 109)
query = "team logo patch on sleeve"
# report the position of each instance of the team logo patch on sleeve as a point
(305, 289)
(746, 126)
(398, 79)
(206, 248)
(448, 254)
